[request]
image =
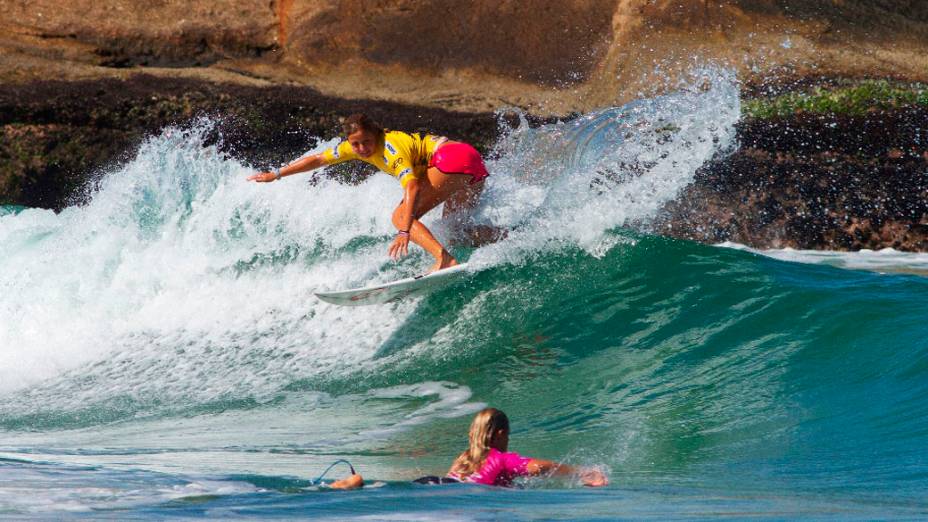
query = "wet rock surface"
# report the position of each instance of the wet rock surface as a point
(814, 182)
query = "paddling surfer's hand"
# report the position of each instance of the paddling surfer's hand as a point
(400, 246)
(593, 478)
(263, 177)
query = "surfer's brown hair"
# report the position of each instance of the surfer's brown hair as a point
(486, 424)
(359, 121)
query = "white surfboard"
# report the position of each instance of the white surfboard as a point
(402, 289)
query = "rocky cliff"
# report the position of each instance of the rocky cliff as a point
(552, 56)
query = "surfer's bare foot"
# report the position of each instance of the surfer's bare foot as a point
(447, 260)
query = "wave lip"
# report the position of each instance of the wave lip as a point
(886, 260)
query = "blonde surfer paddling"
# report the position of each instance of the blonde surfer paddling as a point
(431, 170)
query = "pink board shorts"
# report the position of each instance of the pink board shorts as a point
(459, 158)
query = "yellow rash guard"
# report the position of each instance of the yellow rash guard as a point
(403, 155)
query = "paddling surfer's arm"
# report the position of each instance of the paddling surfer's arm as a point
(304, 164)
(589, 476)
(404, 219)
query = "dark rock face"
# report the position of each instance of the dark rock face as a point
(57, 134)
(814, 182)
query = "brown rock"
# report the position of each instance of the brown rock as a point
(553, 56)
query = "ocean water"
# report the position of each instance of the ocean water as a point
(162, 354)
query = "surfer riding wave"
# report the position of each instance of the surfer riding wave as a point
(431, 170)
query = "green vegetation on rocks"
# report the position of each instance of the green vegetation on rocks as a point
(847, 100)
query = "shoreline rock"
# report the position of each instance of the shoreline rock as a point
(813, 181)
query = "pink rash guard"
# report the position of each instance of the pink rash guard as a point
(499, 469)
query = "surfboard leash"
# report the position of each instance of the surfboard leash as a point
(332, 465)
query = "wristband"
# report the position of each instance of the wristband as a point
(403, 232)
(276, 174)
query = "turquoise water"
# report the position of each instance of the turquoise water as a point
(162, 355)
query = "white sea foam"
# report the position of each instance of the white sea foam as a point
(570, 184)
(180, 273)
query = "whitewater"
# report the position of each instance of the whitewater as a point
(162, 353)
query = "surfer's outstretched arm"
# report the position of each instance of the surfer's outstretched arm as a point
(305, 164)
(589, 476)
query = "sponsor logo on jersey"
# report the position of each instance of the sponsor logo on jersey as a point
(385, 162)
(390, 148)
(405, 172)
